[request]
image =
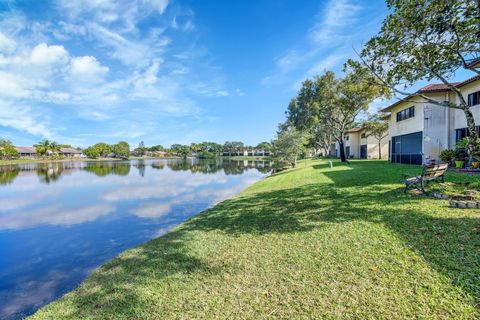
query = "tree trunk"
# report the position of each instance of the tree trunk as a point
(342, 150)
(472, 136)
(380, 149)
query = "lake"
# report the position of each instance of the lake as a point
(60, 221)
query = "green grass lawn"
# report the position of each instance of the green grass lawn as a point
(312, 242)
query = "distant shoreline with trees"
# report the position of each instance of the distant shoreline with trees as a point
(50, 151)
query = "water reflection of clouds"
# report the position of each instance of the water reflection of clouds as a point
(210, 196)
(12, 203)
(32, 293)
(168, 184)
(41, 264)
(54, 215)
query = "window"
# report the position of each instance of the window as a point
(347, 138)
(363, 135)
(463, 133)
(474, 98)
(406, 113)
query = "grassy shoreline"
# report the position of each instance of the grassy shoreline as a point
(312, 242)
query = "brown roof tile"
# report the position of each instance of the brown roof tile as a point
(70, 150)
(354, 130)
(26, 149)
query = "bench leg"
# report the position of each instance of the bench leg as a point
(422, 186)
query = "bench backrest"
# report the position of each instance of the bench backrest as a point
(432, 172)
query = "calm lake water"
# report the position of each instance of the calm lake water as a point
(60, 221)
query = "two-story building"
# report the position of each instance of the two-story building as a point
(419, 130)
(360, 145)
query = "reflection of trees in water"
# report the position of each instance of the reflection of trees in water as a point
(102, 169)
(230, 167)
(203, 166)
(50, 172)
(8, 174)
(140, 165)
(159, 165)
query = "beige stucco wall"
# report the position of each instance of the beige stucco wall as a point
(353, 143)
(459, 117)
(372, 147)
(412, 125)
(356, 140)
(431, 119)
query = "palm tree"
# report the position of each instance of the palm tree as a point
(42, 147)
(54, 147)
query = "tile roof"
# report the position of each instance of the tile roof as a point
(26, 149)
(354, 130)
(437, 87)
(433, 88)
(70, 150)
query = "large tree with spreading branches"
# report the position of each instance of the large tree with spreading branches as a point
(329, 106)
(426, 40)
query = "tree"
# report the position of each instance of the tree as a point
(426, 40)
(195, 147)
(233, 147)
(322, 138)
(103, 149)
(7, 150)
(122, 150)
(181, 150)
(212, 147)
(156, 148)
(91, 152)
(54, 147)
(265, 145)
(288, 145)
(327, 107)
(140, 150)
(42, 147)
(305, 113)
(377, 127)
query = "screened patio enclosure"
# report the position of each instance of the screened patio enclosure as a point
(407, 148)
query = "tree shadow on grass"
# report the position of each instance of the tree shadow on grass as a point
(115, 288)
(451, 245)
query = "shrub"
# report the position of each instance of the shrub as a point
(448, 156)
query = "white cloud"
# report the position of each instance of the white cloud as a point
(23, 118)
(124, 64)
(7, 45)
(289, 60)
(126, 12)
(336, 15)
(43, 54)
(87, 66)
(222, 93)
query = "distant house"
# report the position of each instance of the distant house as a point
(31, 152)
(26, 152)
(360, 145)
(71, 152)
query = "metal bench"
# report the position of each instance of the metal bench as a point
(429, 173)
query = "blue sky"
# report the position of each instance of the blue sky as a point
(167, 71)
